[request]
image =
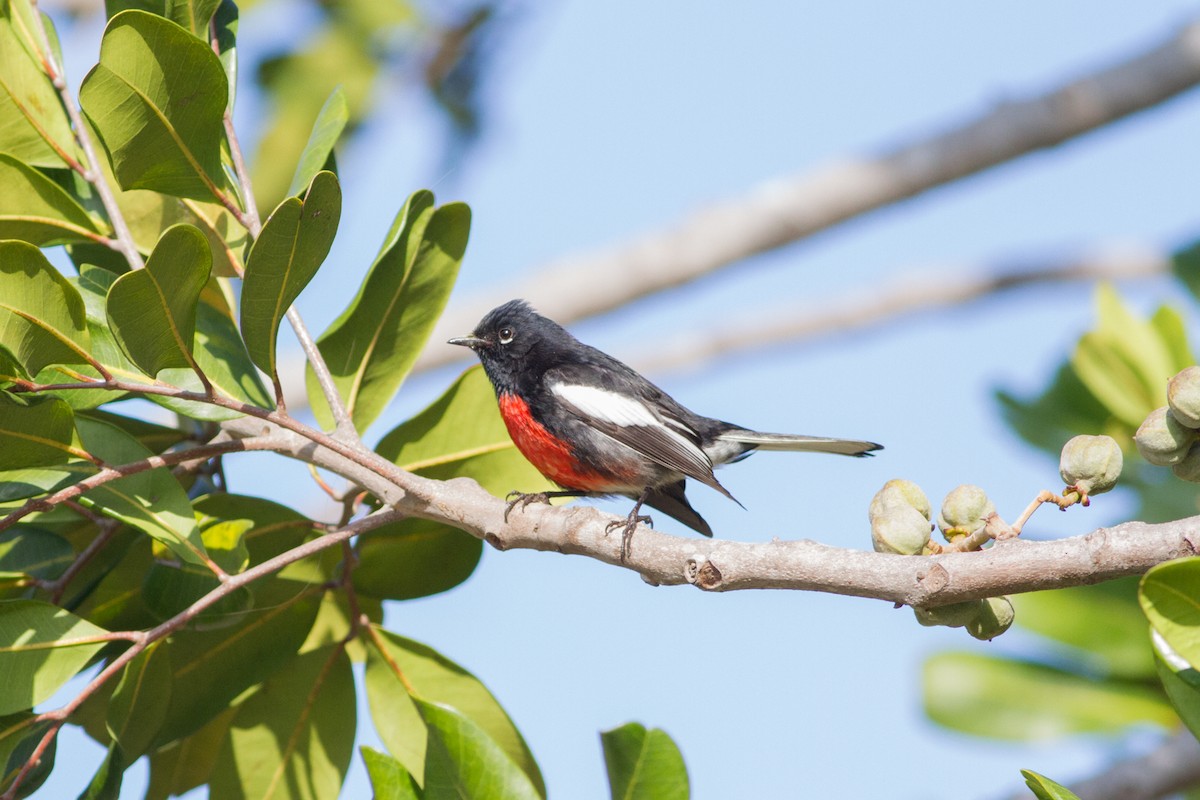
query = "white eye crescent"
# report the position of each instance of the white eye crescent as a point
(506, 335)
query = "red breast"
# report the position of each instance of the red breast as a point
(552, 456)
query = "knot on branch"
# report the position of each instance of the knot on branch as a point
(703, 573)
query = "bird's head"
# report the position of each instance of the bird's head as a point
(514, 341)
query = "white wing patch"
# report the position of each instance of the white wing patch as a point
(640, 428)
(605, 405)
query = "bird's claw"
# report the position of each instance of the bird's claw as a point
(629, 524)
(523, 499)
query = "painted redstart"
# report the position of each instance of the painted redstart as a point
(596, 427)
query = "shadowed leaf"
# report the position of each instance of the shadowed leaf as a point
(41, 314)
(37, 210)
(139, 702)
(285, 257)
(318, 153)
(31, 113)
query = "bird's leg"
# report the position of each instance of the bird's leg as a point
(630, 524)
(523, 499)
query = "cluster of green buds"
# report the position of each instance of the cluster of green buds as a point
(983, 619)
(965, 510)
(1170, 436)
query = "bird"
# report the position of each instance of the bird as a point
(596, 427)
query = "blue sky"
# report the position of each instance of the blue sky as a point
(609, 119)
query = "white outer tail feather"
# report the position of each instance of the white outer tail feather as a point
(798, 443)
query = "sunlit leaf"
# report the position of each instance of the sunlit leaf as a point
(464, 762)
(37, 210)
(433, 677)
(294, 737)
(1023, 701)
(643, 764)
(41, 314)
(152, 311)
(372, 346)
(139, 702)
(274, 528)
(285, 257)
(152, 501)
(157, 98)
(318, 153)
(31, 113)
(389, 779)
(42, 646)
(1045, 789)
(1170, 597)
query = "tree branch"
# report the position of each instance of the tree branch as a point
(1008, 567)
(786, 210)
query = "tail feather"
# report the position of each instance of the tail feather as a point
(799, 443)
(672, 501)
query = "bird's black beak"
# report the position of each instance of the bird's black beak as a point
(473, 342)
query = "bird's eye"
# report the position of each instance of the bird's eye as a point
(506, 335)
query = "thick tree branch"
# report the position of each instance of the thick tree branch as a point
(714, 565)
(786, 210)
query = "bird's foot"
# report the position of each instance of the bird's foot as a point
(629, 524)
(523, 499)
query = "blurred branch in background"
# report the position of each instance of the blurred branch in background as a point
(787, 210)
(1170, 768)
(917, 292)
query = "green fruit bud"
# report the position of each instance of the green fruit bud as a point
(1091, 464)
(995, 617)
(954, 615)
(1183, 396)
(1189, 468)
(899, 529)
(903, 492)
(964, 511)
(1162, 440)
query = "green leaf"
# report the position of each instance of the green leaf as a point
(139, 702)
(155, 438)
(152, 311)
(37, 433)
(389, 779)
(460, 434)
(294, 737)
(31, 113)
(185, 764)
(274, 528)
(31, 551)
(430, 676)
(1181, 683)
(168, 589)
(41, 314)
(1103, 622)
(1023, 701)
(285, 257)
(372, 346)
(19, 734)
(157, 98)
(464, 762)
(1045, 789)
(218, 665)
(22, 751)
(414, 558)
(318, 153)
(225, 28)
(222, 356)
(152, 501)
(41, 647)
(643, 764)
(1170, 597)
(106, 784)
(37, 210)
